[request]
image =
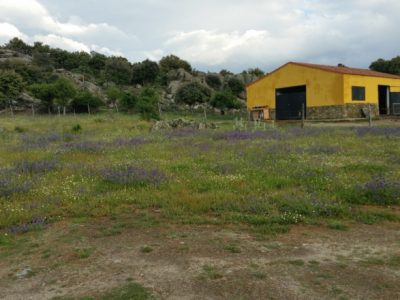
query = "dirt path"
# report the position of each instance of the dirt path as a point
(193, 262)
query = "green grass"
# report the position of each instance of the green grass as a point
(297, 262)
(232, 248)
(146, 249)
(84, 253)
(266, 184)
(337, 225)
(211, 273)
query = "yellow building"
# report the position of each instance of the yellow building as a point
(323, 92)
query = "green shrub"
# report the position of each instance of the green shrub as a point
(76, 128)
(213, 81)
(147, 104)
(225, 100)
(235, 86)
(193, 93)
(337, 225)
(85, 100)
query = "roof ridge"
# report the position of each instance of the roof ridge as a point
(333, 69)
(347, 70)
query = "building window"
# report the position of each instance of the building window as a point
(358, 93)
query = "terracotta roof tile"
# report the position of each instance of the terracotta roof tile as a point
(333, 69)
(347, 70)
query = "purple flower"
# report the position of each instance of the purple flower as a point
(10, 184)
(389, 132)
(35, 167)
(136, 141)
(85, 146)
(133, 176)
(35, 222)
(382, 191)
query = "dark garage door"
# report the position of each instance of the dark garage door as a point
(289, 103)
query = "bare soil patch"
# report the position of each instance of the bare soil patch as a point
(206, 262)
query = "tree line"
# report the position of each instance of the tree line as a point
(44, 78)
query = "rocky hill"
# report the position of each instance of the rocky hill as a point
(96, 74)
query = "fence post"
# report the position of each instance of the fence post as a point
(303, 116)
(370, 115)
(11, 110)
(33, 110)
(88, 109)
(205, 113)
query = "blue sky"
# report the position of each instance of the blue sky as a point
(213, 34)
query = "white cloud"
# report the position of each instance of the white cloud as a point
(32, 13)
(233, 34)
(9, 31)
(106, 51)
(72, 35)
(61, 42)
(321, 33)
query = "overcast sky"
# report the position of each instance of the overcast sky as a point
(213, 34)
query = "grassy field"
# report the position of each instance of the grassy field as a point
(264, 181)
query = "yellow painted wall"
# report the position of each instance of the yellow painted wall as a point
(323, 88)
(371, 87)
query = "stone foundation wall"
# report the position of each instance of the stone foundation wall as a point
(356, 110)
(326, 112)
(347, 111)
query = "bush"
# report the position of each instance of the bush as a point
(145, 72)
(225, 100)
(147, 104)
(213, 81)
(76, 128)
(11, 86)
(83, 99)
(173, 62)
(235, 86)
(127, 101)
(193, 93)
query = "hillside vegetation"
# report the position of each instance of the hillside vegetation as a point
(57, 81)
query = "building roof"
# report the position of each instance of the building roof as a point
(347, 70)
(336, 69)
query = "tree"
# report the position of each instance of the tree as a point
(114, 94)
(213, 81)
(30, 73)
(42, 59)
(147, 104)
(65, 92)
(85, 101)
(40, 47)
(173, 62)
(225, 100)
(235, 86)
(11, 86)
(387, 66)
(225, 72)
(118, 70)
(256, 72)
(128, 101)
(145, 72)
(97, 62)
(193, 93)
(19, 45)
(46, 92)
